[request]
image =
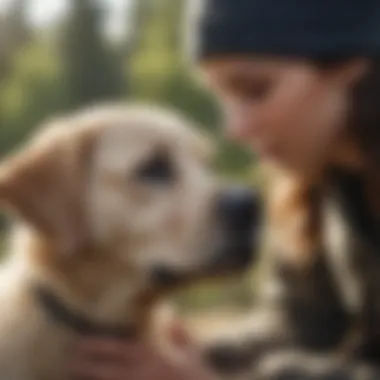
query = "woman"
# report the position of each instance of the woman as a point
(299, 82)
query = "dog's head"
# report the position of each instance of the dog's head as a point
(132, 186)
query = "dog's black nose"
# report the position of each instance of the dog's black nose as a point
(238, 208)
(229, 360)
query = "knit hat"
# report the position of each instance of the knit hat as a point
(333, 29)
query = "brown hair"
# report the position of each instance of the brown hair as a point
(291, 197)
(364, 119)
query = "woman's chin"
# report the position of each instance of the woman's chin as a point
(287, 165)
(273, 158)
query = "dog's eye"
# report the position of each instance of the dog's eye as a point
(158, 170)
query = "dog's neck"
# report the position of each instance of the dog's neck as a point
(97, 292)
(71, 319)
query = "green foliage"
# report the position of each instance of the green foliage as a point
(92, 71)
(31, 93)
(235, 292)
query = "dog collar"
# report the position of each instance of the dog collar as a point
(80, 324)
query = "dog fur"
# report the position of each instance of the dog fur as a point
(91, 231)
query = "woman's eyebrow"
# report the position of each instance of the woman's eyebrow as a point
(240, 78)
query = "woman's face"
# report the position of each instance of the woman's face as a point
(286, 111)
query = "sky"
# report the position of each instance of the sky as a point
(45, 12)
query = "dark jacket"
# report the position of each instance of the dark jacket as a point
(332, 304)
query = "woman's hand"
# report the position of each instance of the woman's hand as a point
(98, 359)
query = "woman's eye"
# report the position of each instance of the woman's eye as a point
(254, 91)
(250, 89)
(158, 170)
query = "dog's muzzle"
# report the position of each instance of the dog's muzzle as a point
(237, 218)
(238, 209)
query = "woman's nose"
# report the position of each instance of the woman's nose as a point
(240, 131)
(241, 126)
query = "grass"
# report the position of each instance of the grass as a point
(234, 293)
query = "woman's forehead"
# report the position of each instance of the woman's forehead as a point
(227, 69)
(251, 64)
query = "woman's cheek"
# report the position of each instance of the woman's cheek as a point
(240, 122)
(280, 118)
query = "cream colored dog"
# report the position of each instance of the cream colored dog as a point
(115, 205)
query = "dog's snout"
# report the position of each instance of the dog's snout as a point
(228, 360)
(238, 208)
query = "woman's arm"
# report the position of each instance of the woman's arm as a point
(106, 359)
(295, 310)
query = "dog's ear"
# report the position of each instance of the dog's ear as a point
(44, 184)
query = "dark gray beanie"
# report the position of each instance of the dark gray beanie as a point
(319, 29)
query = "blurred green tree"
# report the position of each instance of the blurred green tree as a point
(30, 94)
(18, 29)
(15, 33)
(92, 69)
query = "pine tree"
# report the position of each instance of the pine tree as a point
(14, 34)
(92, 71)
(17, 28)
